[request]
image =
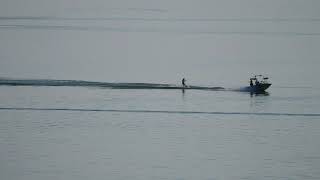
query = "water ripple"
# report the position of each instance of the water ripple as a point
(159, 111)
(153, 30)
(55, 18)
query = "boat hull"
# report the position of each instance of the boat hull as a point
(258, 87)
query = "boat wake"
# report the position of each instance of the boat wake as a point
(80, 83)
(47, 82)
(159, 111)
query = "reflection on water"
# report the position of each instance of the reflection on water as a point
(259, 101)
(264, 93)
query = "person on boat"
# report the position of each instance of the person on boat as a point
(184, 82)
(257, 82)
(251, 83)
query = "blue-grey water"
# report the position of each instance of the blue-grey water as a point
(89, 129)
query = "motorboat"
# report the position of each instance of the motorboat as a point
(258, 83)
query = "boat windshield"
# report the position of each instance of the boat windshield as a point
(260, 79)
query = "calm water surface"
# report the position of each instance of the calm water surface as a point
(81, 133)
(68, 144)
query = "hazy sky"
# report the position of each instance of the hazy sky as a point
(160, 41)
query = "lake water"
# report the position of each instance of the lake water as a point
(96, 132)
